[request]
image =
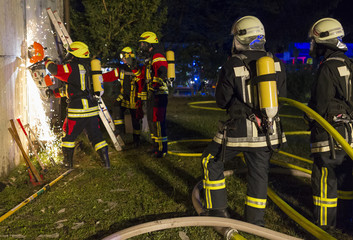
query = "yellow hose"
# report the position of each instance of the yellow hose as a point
(302, 221)
(306, 224)
(288, 165)
(192, 105)
(296, 157)
(40, 192)
(333, 132)
(297, 133)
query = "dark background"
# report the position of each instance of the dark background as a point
(198, 31)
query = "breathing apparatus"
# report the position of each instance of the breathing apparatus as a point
(97, 77)
(262, 110)
(171, 66)
(267, 91)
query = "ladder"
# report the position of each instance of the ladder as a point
(103, 111)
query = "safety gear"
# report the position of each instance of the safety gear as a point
(146, 41)
(216, 213)
(35, 52)
(249, 34)
(171, 66)
(327, 32)
(136, 138)
(103, 154)
(97, 78)
(79, 49)
(68, 157)
(154, 73)
(127, 52)
(267, 89)
(149, 37)
(128, 56)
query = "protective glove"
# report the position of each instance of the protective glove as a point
(47, 59)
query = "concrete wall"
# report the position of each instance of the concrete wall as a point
(21, 23)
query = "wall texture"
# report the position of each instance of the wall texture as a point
(21, 23)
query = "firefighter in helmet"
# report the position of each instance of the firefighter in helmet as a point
(154, 73)
(129, 95)
(331, 97)
(82, 109)
(251, 128)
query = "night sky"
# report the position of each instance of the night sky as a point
(285, 21)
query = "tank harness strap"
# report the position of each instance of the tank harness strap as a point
(248, 109)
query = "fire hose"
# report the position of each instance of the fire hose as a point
(40, 192)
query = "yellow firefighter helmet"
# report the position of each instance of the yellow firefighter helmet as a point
(79, 49)
(149, 37)
(127, 52)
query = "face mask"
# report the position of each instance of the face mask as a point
(143, 50)
(258, 43)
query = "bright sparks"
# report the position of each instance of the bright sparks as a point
(40, 108)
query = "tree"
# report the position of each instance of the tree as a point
(108, 26)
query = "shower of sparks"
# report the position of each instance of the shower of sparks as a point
(39, 30)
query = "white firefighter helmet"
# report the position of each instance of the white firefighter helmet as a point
(249, 34)
(328, 32)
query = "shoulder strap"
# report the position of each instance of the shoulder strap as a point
(348, 78)
(243, 58)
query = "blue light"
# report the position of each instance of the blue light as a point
(302, 45)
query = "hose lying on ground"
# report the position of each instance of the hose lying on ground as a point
(40, 192)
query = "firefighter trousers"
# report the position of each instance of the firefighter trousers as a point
(73, 127)
(119, 121)
(214, 185)
(156, 118)
(332, 186)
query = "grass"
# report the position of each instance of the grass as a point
(92, 202)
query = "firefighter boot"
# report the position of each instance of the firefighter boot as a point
(216, 213)
(136, 138)
(68, 157)
(103, 154)
(119, 129)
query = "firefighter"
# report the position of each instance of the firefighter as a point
(248, 129)
(82, 109)
(154, 72)
(129, 95)
(331, 97)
